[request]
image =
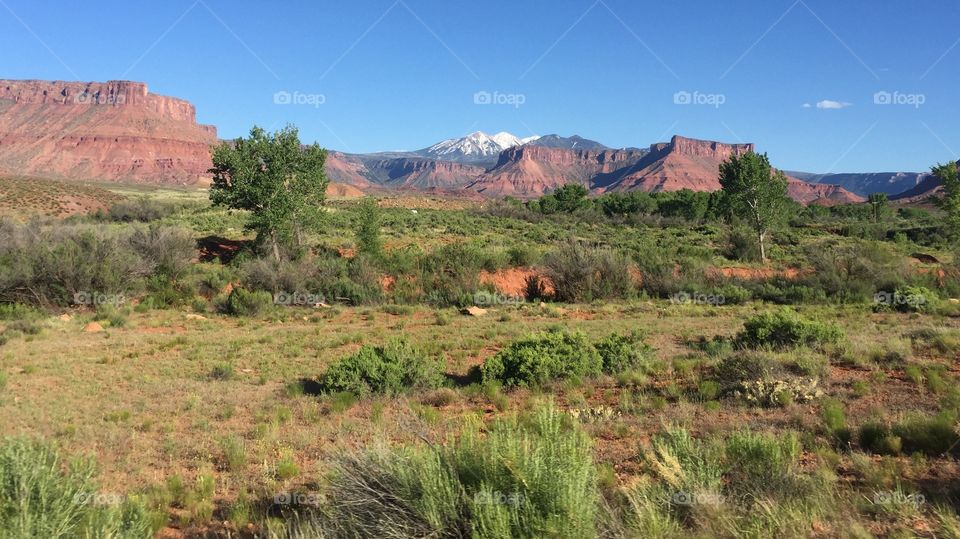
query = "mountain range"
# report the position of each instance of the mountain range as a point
(119, 131)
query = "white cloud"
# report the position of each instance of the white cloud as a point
(828, 104)
(807, 106)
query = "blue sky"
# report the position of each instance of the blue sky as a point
(375, 75)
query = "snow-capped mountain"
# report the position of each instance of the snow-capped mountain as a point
(475, 147)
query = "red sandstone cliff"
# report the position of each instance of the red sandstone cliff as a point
(115, 131)
(531, 171)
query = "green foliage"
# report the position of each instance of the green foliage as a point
(755, 193)
(526, 478)
(736, 369)
(877, 438)
(932, 435)
(786, 329)
(879, 203)
(566, 199)
(242, 302)
(581, 273)
(621, 353)
(53, 263)
(280, 182)
(950, 203)
(391, 369)
(43, 494)
(538, 359)
(370, 219)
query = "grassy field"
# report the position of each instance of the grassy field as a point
(211, 419)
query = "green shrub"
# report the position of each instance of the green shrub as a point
(390, 369)
(878, 438)
(907, 299)
(524, 478)
(785, 329)
(581, 273)
(735, 370)
(42, 494)
(621, 353)
(538, 359)
(242, 302)
(929, 435)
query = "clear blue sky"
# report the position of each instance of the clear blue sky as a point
(403, 74)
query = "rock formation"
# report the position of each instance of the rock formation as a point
(113, 131)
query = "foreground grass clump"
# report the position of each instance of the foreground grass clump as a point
(746, 484)
(527, 477)
(44, 495)
(538, 359)
(390, 369)
(787, 329)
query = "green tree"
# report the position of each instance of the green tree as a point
(281, 182)
(755, 192)
(878, 203)
(368, 228)
(950, 203)
(570, 197)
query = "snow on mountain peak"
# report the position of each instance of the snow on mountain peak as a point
(475, 146)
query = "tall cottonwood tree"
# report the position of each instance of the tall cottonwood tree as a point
(281, 182)
(755, 193)
(950, 203)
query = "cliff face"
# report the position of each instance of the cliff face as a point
(423, 173)
(532, 171)
(115, 131)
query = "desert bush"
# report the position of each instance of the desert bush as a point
(736, 369)
(167, 250)
(931, 435)
(43, 494)
(581, 273)
(391, 369)
(621, 353)
(49, 263)
(907, 299)
(878, 438)
(524, 478)
(854, 272)
(742, 245)
(538, 359)
(521, 256)
(785, 329)
(142, 209)
(451, 275)
(242, 302)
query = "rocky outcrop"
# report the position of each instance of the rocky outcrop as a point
(112, 131)
(820, 194)
(423, 173)
(682, 163)
(531, 170)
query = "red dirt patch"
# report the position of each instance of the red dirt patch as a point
(513, 281)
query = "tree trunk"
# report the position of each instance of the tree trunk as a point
(275, 245)
(763, 250)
